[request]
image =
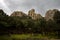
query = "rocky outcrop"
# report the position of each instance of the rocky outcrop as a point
(31, 13)
(34, 15)
(52, 15)
(18, 13)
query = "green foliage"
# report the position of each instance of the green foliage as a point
(18, 25)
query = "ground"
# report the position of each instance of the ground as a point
(25, 37)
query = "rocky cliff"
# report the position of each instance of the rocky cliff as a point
(18, 13)
(52, 15)
(31, 13)
(34, 15)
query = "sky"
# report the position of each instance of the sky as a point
(40, 6)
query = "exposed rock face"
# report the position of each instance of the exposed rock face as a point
(18, 13)
(34, 15)
(31, 13)
(52, 15)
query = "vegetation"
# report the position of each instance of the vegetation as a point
(10, 25)
(26, 37)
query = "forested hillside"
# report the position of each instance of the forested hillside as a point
(48, 25)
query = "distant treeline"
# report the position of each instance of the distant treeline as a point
(19, 25)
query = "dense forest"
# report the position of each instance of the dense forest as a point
(26, 25)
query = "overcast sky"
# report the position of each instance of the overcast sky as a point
(41, 6)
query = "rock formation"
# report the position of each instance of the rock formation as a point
(31, 13)
(18, 13)
(52, 15)
(34, 15)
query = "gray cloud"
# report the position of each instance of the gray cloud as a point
(41, 6)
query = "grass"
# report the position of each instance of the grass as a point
(23, 36)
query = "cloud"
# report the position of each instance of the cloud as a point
(41, 6)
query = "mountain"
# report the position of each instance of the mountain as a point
(31, 13)
(53, 15)
(18, 13)
(34, 15)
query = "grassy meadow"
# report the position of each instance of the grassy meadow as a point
(25, 37)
